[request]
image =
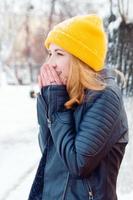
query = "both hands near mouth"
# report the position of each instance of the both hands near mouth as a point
(49, 76)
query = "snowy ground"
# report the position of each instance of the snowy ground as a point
(19, 149)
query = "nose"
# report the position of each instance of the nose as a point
(51, 61)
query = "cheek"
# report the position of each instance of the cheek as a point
(66, 71)
(64, 66)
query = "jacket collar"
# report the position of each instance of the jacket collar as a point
(107, 73)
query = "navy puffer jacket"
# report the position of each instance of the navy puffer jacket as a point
(82, 148)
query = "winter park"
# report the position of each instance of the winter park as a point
(24, 26)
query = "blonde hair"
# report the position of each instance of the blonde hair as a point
(81, 76)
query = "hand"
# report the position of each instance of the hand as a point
(49, 76)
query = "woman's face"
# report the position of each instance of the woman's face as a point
(59, 59)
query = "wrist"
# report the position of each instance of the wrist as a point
(55, 96)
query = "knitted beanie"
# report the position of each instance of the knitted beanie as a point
(84, 37)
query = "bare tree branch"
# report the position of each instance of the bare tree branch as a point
(111, 7)
(121, 9)
(127, 10)
(50, 19)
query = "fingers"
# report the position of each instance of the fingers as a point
(44, 75)
(49, 76)
(64, 79)
(54, 75)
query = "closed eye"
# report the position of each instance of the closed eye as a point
(60, 54)
(50, 54)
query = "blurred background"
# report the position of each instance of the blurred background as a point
(24, 25)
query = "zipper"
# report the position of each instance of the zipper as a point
(90, 193)
(89, 190)
(49, 102)
(48, 114)
(64, 193)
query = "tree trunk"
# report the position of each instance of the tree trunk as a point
(120, 54)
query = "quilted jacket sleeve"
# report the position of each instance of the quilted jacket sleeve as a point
(82, 151)
(45, 109)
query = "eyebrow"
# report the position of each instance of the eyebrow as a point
(56, 50)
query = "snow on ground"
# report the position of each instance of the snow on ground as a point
(19, 149)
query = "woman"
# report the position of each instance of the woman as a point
(83, 125)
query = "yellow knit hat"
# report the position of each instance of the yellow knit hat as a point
(84, 37)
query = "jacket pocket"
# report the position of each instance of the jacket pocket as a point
(88, 189)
